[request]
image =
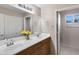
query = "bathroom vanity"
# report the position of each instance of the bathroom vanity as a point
(34, 46)
(40, 48)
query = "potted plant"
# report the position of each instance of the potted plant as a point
(26, 33)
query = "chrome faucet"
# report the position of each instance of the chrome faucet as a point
(38, 34)
(10, 42)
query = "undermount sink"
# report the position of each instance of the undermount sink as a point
(20, 42)
(23, 40)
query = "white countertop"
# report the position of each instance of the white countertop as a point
(10, 50)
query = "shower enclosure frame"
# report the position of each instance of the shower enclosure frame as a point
(58, 31)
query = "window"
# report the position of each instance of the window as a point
(69, 19)
(76, 18)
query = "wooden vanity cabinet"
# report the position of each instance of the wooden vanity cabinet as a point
(41, 48)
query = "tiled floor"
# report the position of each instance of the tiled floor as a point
(65, 50)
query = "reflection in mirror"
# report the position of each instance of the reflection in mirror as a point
(27, 23)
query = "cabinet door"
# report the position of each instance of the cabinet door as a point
(1, 26)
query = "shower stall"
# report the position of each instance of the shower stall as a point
(68, 32)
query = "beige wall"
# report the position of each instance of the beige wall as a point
(37, 10)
